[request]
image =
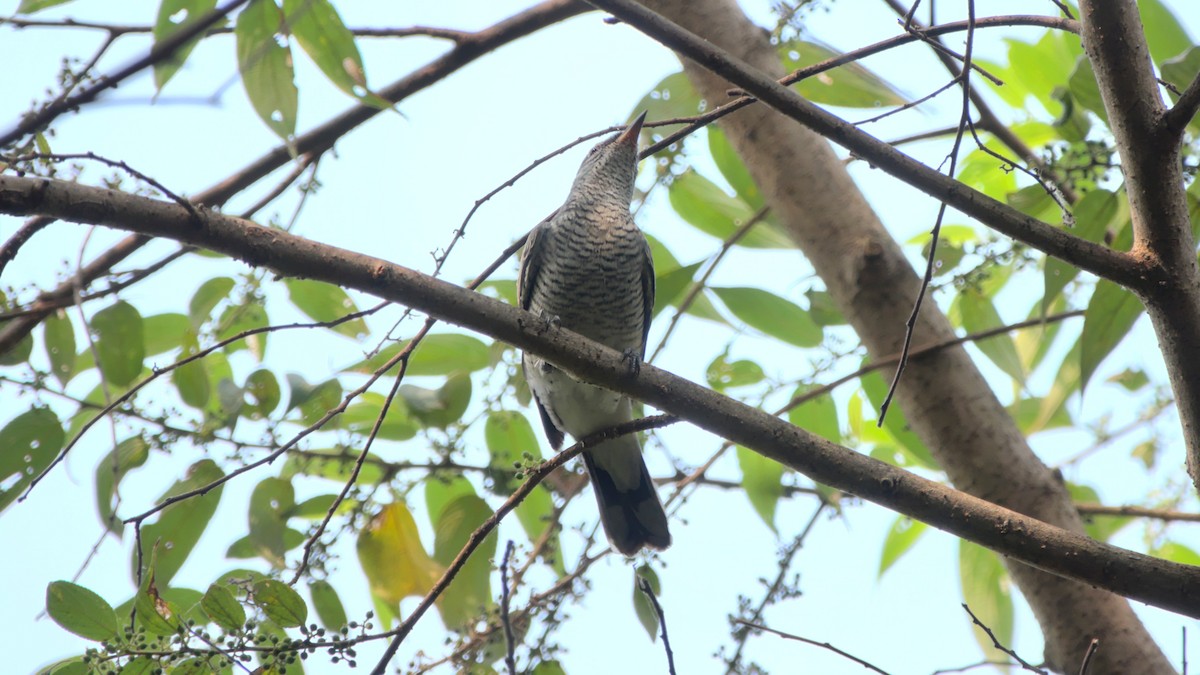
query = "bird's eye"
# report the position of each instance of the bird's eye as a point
(594, 150)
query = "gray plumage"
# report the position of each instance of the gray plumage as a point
(589, 268)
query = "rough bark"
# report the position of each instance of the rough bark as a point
(944, 397)
(1149, 145)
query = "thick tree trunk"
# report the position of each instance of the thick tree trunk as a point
(943, 395)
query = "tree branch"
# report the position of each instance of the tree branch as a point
(39, 120)
(313, 143)
(1095, 258)
(1157, 582)
(1169, 284)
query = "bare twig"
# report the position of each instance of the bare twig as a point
(997, 644)
(161, 51)
(509, 641)
(815, 643)
(964, 118)
(644, 587)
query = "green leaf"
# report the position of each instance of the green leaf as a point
(724, 374)
(1028, 414)
(206, 298)
(191, 379)
(80, 611)
(1181, 70)
(670, 285)
(511, 443)
(1176, 552)
(59, 337)
(20, 352)
(1110, 314)
(437, 354)
(823, 310)
(333, 464)
(534, 514)
(165, 332)
(174, 16)
(1094, 214)
(762, 480)
(771, 314)
(985, 589)
(851, 85)
(470, 594)
(1098, 527)
(271, 500)
(896, 424)
(28, 443)
(439, 408)
(251, 315)
(978, 315)
(180, 525)
(245, 548)
(127, 456)
(262, 386)
(266, 67)
(317, 27)
(153, 611)
(901, 537)
(328, 605)
(1085, 91)
(280, 603)
(224, 609)
(641, 604)
(1132, 379)
(732, 168)
(314, 402)
(673, 97)
(360, 417)
(31, 6)
(314, 507)
(119, 342)
(326, 302)
(818, 415)
(708, 208)
(548, 668)
(1165, 36)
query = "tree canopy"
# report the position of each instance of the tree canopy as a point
(260, 351)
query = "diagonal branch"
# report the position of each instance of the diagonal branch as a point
(1157, 582)
(159, 52)
(313, 143)
(1084, 254)
(1150, 162)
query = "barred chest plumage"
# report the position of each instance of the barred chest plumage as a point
(591, 276)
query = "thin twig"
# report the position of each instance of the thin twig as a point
(996, 643)
(644, 587)
(536, 475)
(964, 118)
(509, 641)
(815, 643)
(159, 52)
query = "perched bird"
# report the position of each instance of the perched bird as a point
(588, 269)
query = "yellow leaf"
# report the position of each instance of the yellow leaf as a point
(392, 557)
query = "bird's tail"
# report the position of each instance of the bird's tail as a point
(630, 509)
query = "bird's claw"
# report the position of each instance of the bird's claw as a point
(633, 361)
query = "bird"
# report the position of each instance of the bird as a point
(588, 269)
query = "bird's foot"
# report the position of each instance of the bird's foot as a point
(633, 361)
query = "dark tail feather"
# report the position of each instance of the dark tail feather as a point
(632, 514)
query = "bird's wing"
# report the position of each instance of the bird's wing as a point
(647, 292)
(531, 265)
(527, 275)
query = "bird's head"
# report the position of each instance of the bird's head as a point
(611, 166)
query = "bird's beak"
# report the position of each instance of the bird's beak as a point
(630, 135)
